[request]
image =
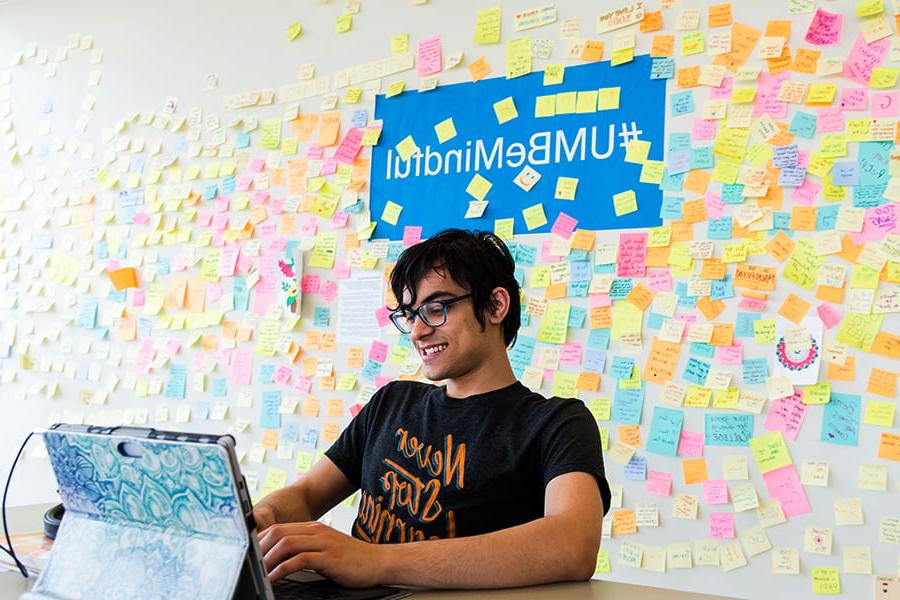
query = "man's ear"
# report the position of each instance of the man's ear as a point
(501, 301)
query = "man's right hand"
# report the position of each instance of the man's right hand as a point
(264, 517)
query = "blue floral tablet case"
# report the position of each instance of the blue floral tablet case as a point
(167, 525)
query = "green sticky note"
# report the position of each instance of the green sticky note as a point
(478, 187)
(817, 393)
(343, 24)
(294, 30)
(555, 323)
(553, 74)
(603, 566)
(534, 217)
(770, 451)
(826, 580)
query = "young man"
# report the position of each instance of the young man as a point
(489, 484)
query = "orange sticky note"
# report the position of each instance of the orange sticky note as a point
(653, 21)
(593, 50)
(780, 246)
(694, 470)
(624, 521)
(663, 46)
(794, 308)
(719, 15)
(630, 435)
(882, 382)
(694, 211)
(588, 381)
(889, 447)
(688, 76)
(697, 181)
(641, 296)
(845, 372)
(479, 69)
(124, 278)
(806, 61)
(662, 361)
(743, 39)
(887, 345)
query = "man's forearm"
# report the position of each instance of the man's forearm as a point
(544, 550)
(289, 505)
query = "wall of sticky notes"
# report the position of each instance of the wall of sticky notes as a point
(186, 242)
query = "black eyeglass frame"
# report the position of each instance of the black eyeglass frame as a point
(397, 315)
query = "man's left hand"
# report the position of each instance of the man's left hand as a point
(291, 547)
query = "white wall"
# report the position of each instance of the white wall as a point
(166, 49)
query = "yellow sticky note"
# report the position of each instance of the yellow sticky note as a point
(545, 106)
(566, 102)
(343, 24)
(608, 98)
(445, 130)
(503, 228)
(883, 77)
(637, 151)
(505, 110)
(271, 133)
(352, 95)
(406, 147)
(534, 216)
(518, 57)
(396, 88)
(625, 202)
(555, 323)
(586, 102)
(770, 451)
(880, 413)
(391, 212)
(565, 188)
(400, 43)
(621, 56)
(487, 25)
(478, 187)
(553, 74)
(652, 171)
(826, 580)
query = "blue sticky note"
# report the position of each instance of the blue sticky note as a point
(266, 373)
(242, 140)
(721, 289)
(840, 420)
(636, 469)
(201, 410)
(177, 383)
(241, 293)
(322, 316)
(873, 160)
(654, 320)
(733, 193)
(662, 68)
(310, 437)
(628, 405)
(220, 387)
(671, 208)
(826, 217)
(371, 369)
(577, 316)
(792, 176)
(702, 158)
(526, 255)
(679, 162)
(679, 140)
(359, 118)
(743, 324)
(87, 314)
(229, 184)
(696, 371)
(269, 417)
(803, 125)
(703, 349)
(210, 192)
(719, 229)
(522, 353)
(755, 370)
(290, 432)
(665, 431)
(682, 103)
(578, 289)
(622, 367)
(620, 288)
(593, 360)
(672, 182)
(722, 429)
(785, 156)
(599, 338)
(845, 173)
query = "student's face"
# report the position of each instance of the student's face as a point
(456, 347)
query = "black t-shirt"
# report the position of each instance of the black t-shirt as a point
(431, 466)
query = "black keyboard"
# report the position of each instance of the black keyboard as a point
(285, 589)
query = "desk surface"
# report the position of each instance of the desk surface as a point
(29, 518)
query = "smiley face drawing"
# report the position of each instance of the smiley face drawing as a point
(527, 178)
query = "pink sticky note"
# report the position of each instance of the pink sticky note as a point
(341, 270)
(784, 485)
(723, 91)
(715, 208)
(825, 28)
(766, 99)
(382, 380)
(140, 218)
(885, 105)
(137, 297)
(632, 255)
(877, 223)
(383, 316)
(303, 384)
(721, 525)
(830, 120)
(545, 253)
(715, 491)
(690, 443)
(703, 129)
(865, 57)
(310, 284)
(660, 280)
(412, 235)
(429, 56)
(242, 366)
(329, 290)
(257, 165)
(378, 351)
(806, 193)
(753, 304)
(340, 219)
(659, 483)
(829, 315)
(355, 409)
(282, 374)
(564, 226)
(854, 99)
(350, 146)
(570, 353)
(600, 300)
(786, 415)
(730, 355)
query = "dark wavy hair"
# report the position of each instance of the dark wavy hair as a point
(477, 260)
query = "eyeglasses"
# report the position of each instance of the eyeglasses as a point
(433, 314)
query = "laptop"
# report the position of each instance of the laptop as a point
(161, 515)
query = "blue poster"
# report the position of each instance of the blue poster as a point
(590, 146)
